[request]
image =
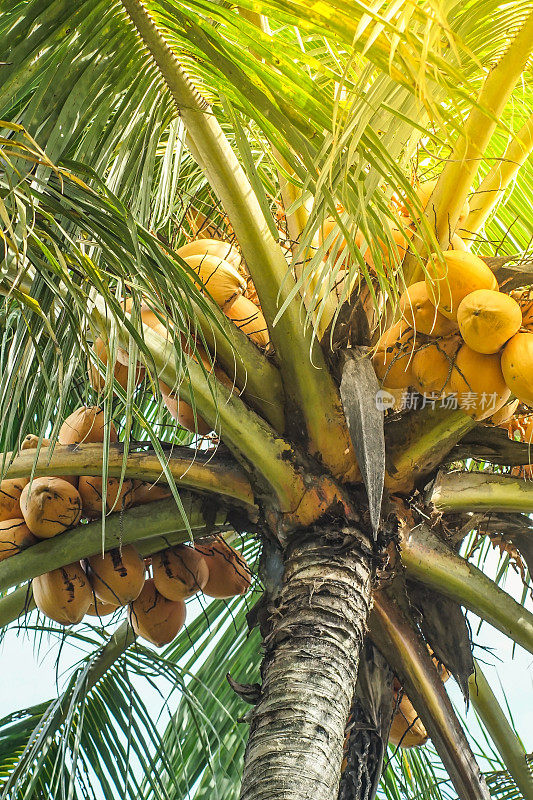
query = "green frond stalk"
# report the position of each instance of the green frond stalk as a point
(457, 177)
(252, 372)
(502, 734)
(429, 560)
(14, 604)
(420, 442)
(408, 655)
(189, 469)
(129, 527)
(20, 601)
(480, 491)
(498, 179)
(307, 380)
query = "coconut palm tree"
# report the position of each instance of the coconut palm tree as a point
(298, 134)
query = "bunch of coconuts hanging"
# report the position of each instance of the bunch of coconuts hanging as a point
(217, 265)
(335, 285)
(458, 334)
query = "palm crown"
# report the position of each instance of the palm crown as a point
(302, 139)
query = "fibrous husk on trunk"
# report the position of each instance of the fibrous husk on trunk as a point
(15, 536)
(117, 577)
(50, 506)
(179, 572)
(63, 594)
(155, 618)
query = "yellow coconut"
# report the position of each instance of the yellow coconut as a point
(449, 282)
(425, 190)
(406, 728)
(50, 506)
(433, 364)
(14, 537)
(505, 414)
(391, 253)
(456, 243)
(487, 320)
(219, 278)
(479, 383)
(155, 618)
(249, 319)
(10, 492)
(212, 247)
(179, 572)
(229, 574)
(183, 412)
(147, 492)
(420, 313)
(120, 370)
(101, 609)
(31, 441)
(117, 499)
(86, 425)
(63, 594)
(117, 576)
(393, 356)
(517, 366)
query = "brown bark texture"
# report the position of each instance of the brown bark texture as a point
(309, 671)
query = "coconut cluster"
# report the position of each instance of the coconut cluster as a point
(99, 585)
(459, 335)
(217, 269)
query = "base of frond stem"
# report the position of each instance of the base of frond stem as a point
(309, 671)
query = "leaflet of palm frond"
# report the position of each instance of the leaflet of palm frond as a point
(444, 626)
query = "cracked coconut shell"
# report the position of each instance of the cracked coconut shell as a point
(50, 506)
(155, 618)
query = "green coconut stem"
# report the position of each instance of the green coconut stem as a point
(226, 480)
(419, 442)
(307, 380)
(409, 657)
(253, 373)
(498, 179)
(430, 561)
(129, 527)
(444, 207)
(500, 731)
(15, 604)
(480, 491)
(21, 601)
(248, 436)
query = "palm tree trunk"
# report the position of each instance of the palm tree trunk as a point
(310, 667)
